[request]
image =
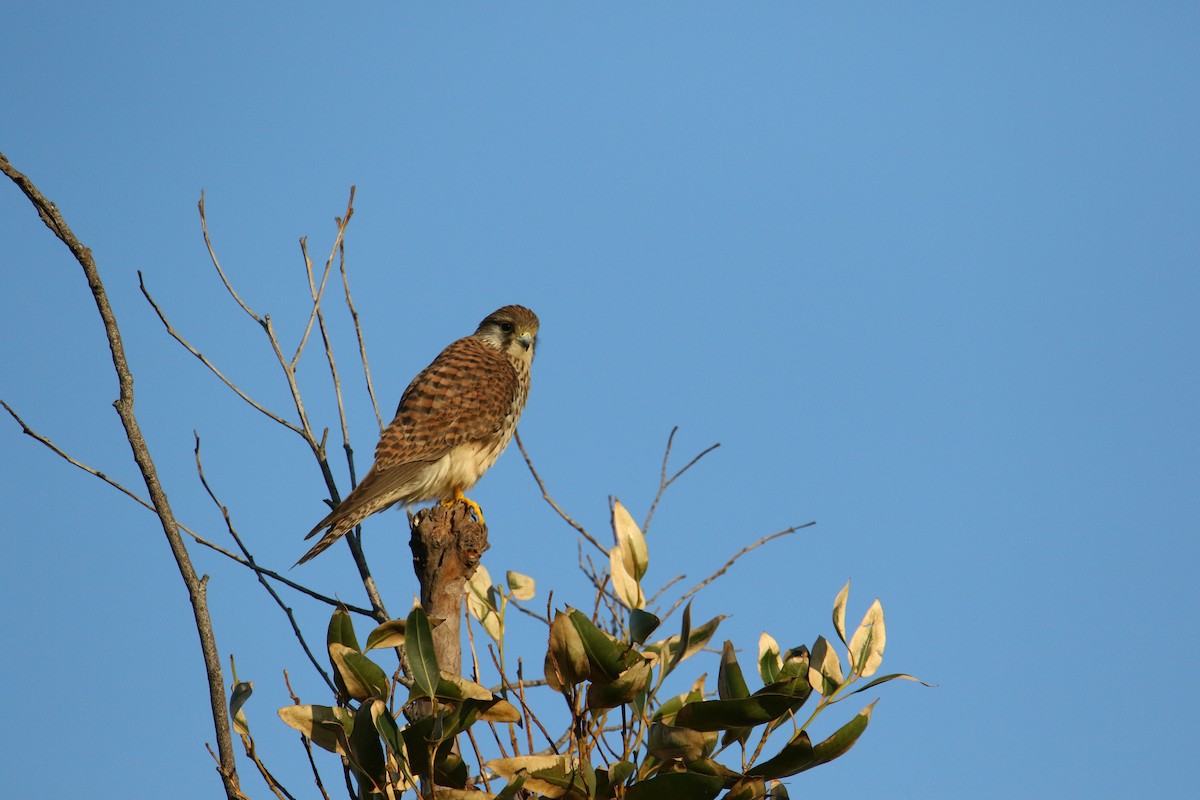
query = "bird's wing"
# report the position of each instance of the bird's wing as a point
(463, 396)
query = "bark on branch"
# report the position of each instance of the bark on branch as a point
(50, 215)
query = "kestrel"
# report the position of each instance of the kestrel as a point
(454, 420)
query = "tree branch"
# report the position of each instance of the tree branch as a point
(50, 215)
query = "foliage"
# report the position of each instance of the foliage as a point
(626, 735)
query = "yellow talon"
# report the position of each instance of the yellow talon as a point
(457, 497)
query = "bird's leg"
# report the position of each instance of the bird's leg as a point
(471, 504)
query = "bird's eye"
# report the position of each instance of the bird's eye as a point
(507, 327)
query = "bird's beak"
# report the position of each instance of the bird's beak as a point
(525, 339)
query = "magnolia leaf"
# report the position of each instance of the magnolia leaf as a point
(481, 602)
(669, 743)
(421, 656)
(241, 693)
(747, 789)
(620, 772)
(445, 793)
(718, 715)
(885, 679)
(622, 690)
(366, 753)
(844, 738)
(361, 676)
(605, 656)
(626, 586)
(796, 756)
(839, 612)
(630, 541)
(641, 624)
(317, 724)
(566, 660)
(521, 586)
(866, 646)
(341, 629)
(549, 776)
(695, 640)
(389, 634)
(825, 670)
(509, 792)
(674, 785)
(769, 662)
(386, 727)
(731, 685)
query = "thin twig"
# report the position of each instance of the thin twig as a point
(317, 294)
(200, 540)
(546, 496)
(362, 345)
(212, 254)
(730, 562)
(204, 360)
(261, 579)
(196, 586)
(305, 740)
(664, 481)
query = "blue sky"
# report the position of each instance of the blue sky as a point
(928, 273)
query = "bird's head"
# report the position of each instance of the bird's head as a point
(512, 329)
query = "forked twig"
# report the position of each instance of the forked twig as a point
(362, 345)
(664, 481)
(261, 579)
(730, 563)
(546, 496)
(197, 538)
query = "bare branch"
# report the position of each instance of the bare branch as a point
(216, 263)
(200, 540)
(546, 496)
(664, 481)
(261, 579)
(212, 367)
(141, 455)
(362, 346)
(683, 597)
(318, 293)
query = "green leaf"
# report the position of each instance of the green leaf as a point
(796, 756)
(670, 742)
(769, 662)
(825, 670)
(341, 630)
(386, 727)
(676, 785)
(389, 634)
(566, 659)
(845, 737)
(317, 724)
(515, 784)
(622, 690)
(678, 647)
(839, 612)
(731, 684)
(605, 657)
(747, 789)
(885, 679)
(641, 624)
(630, 541)
(241, 693)
(361, 677)
(866, 646)
(685, 638)
(719, 715)
(366, 754)
(421, 656)
(521, 586)
(620, 772)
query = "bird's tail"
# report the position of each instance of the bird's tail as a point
(337, 529)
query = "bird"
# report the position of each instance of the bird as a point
(453, 422)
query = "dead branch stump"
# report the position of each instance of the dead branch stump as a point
(447, 544)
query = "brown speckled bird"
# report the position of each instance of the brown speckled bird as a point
(453, 422)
